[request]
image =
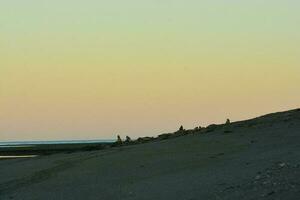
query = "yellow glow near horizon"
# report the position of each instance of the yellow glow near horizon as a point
(97, 69)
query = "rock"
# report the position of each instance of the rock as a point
(227, 121)
(282, 165)
(227, 131)
(258, 177)
(266, 182)
(270, 193)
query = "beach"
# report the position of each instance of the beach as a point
(253, 159)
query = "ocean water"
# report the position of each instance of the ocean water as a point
(31, 143)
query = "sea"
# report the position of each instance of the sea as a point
(32, 143)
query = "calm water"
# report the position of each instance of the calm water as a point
(30, 143)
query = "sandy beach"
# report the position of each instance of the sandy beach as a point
(253, 159)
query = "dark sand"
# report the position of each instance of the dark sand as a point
(254, 159)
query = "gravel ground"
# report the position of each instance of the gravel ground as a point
(253, 159)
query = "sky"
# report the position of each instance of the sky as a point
(94, 69)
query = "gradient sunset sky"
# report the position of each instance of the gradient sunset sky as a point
(93, 69)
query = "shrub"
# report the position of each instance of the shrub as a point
(211, 128)
(128, 139)
(164, 136)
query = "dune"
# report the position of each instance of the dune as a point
(252, 159)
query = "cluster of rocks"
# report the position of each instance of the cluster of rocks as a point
(164, 136)
(180, 132)
(274, 182)
(277, 178)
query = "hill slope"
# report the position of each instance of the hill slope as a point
(253, 159)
